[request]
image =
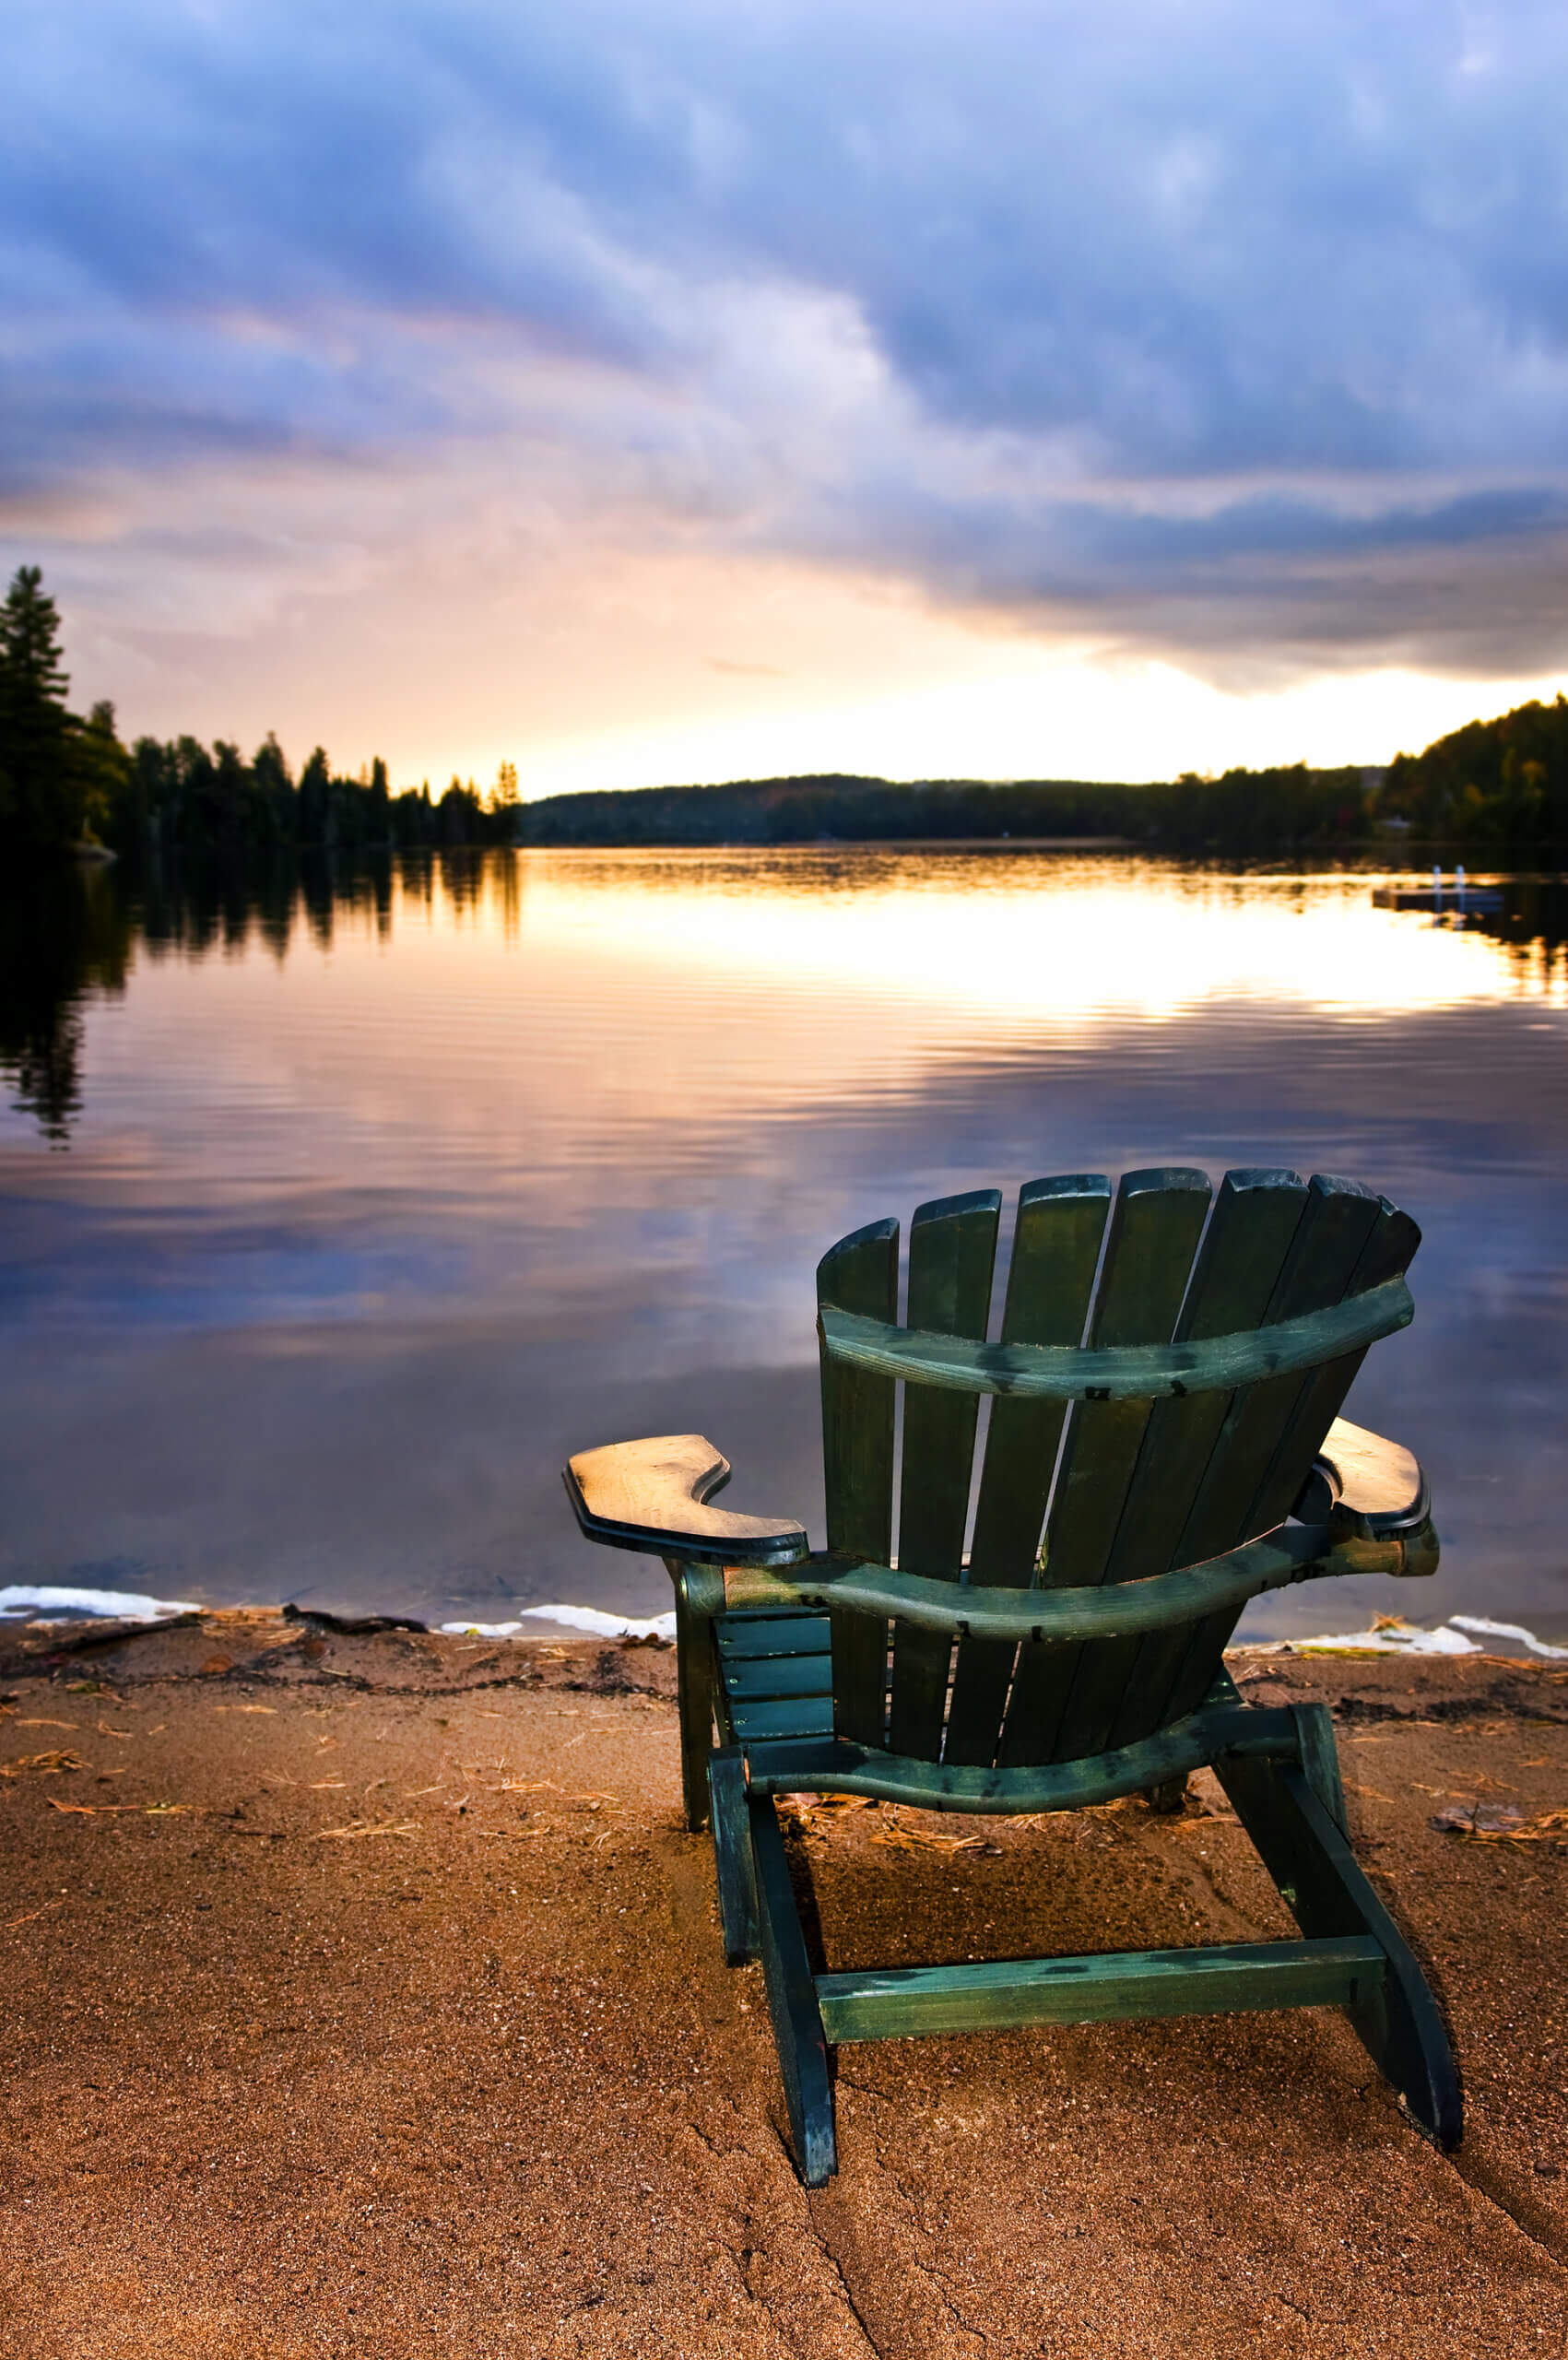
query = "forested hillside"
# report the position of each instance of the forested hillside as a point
(1503, 782)
(1245, 811)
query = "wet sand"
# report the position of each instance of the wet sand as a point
(364, 1995)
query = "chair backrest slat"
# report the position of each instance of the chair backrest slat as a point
(1155, 1226)
(1061, 1225)
(952, 1253)
(860, 1274)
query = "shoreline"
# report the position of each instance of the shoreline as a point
(94, 1614)
(366, 1996)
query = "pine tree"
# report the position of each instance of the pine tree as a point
(315, 799)
(42, 801)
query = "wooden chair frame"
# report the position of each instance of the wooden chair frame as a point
(790, 1660)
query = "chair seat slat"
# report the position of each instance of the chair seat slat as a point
(745, 1633)
(781, 1717)
(750, 1676)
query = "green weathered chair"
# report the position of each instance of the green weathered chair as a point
(1164, 1400)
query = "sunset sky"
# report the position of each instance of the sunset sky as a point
(649, 390)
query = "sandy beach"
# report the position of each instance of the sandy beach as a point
(364, 1995)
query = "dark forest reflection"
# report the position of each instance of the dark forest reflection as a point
(70, 932)
(1534, 917)
(65, 933)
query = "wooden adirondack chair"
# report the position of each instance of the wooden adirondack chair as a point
(1159, 1410)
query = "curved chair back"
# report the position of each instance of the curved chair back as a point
(1074, 1492)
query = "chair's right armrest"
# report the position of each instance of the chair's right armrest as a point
(653, 1496)
(1362, 1484)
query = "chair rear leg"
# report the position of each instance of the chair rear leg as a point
(1307, 1853)
(732, 1854)
(792, 2002)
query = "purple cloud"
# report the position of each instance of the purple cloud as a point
(1236, 335)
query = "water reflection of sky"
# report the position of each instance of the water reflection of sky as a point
(363, 1223)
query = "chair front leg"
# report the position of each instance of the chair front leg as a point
(733, 1858)
(799, 2036)
(699, 1595)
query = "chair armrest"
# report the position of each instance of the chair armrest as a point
(1362, 1484)
(653, 1496)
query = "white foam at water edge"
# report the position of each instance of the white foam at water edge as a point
(121, 1605)
(1508, 1631)
(1447, 1639)
(571, 1618)
(1406, 1642)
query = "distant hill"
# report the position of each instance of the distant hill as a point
(836, 806)
(1245, 811)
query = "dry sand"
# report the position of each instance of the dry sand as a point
(363, 1994)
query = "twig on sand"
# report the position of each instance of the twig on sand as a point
(29, 1915)
(109, 1810)
(357, 1828)
(47, 1765)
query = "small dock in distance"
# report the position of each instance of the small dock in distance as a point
(1455, 899)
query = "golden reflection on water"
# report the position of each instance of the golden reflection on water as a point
(520, 1018)
(1048, 941)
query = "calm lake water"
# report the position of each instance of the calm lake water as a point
(338, 1211)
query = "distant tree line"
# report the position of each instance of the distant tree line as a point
(179, 796)
(1245, 811)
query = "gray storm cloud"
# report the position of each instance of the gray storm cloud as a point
(1232, 334)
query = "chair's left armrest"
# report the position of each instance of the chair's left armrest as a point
(1363, 1485)
(653, 1496)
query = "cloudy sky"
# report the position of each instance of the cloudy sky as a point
(661, 389)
